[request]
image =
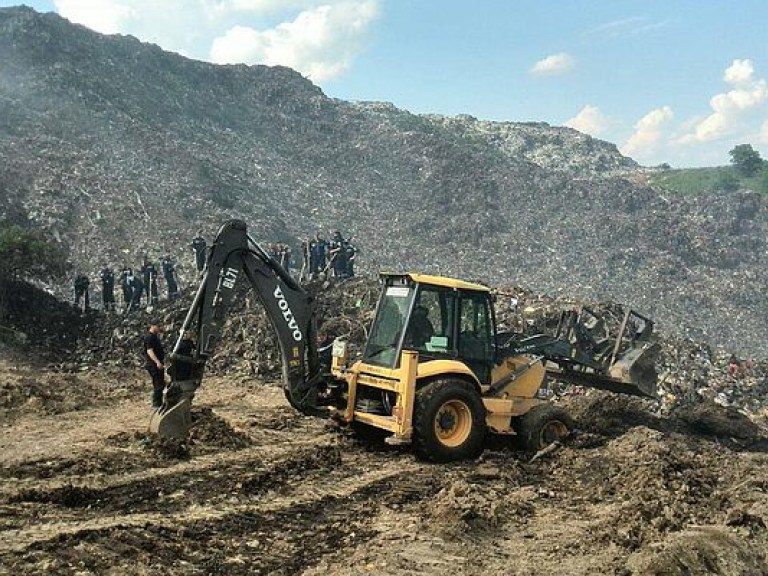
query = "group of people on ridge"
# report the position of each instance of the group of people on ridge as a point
(323, 258)
(135, 287)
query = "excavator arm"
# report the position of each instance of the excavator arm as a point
(235, 258)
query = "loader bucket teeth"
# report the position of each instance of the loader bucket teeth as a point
(173, 422)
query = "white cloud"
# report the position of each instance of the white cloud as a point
(321, 43)
(105, 16)
(561, 63)
(740, 72)
(589, 120)
(730, 110)
(174, 25)
(256, 6)
(319, 38)
(649, 134)
(626, 28)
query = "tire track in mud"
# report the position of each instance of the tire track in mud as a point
(280, 520)
(24, 502)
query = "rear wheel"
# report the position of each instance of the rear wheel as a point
(448, 421)
(542, 425)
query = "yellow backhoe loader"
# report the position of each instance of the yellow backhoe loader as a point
(434, 372)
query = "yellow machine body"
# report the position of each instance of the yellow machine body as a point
(461, 345)
(525, 377)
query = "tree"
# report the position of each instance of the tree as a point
(746, 160)
(26, 254)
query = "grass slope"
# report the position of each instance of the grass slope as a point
(694, 180)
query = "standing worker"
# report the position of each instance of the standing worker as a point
(285, 257)
(81, 291)
(126, 273)
(319, 254)
(351, 251)
(338, 255)
(149, 275)
(306, 260)
(199, 245)
(107, 288)
(137, 289)
(154, 356)
(169, 271)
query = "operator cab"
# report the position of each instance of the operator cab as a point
(440, 318)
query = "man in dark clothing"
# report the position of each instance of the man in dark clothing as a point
(137, 289)
(169, 273)
(149, 276)
(107, 288)
(337, 251)
(184, 358)
(319, 255)
(126, 273)
(81, 291)
(154, 356)
(325, 350)
(199, 245)
(306, 260)
(285, 257)
(351, 252)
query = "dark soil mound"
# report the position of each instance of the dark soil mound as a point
(721, 421)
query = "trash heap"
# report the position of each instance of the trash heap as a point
(689, 372)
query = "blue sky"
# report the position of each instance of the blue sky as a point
(676, 81)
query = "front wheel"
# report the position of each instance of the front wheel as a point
(448, 421)
(542, 425)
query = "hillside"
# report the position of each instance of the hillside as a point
(119, 149)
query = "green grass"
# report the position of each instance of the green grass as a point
(696, 180)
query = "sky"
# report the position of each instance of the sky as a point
(668, 81)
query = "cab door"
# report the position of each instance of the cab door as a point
(475, 334)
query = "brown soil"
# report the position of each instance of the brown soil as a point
(261, 489)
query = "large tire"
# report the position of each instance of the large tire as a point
(448, 421)
(542, 425)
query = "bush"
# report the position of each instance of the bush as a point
(762, 184)
(26, 254)
(727, 181)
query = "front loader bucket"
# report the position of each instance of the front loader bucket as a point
(173, 422)
(636, 368)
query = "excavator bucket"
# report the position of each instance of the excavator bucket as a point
(173, 422)
(636, 368)
(174, 418)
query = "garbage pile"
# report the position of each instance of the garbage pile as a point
(689, 372)
(167, 148)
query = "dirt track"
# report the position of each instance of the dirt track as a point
(264, 490)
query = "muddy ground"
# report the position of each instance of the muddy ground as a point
(261, 489)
